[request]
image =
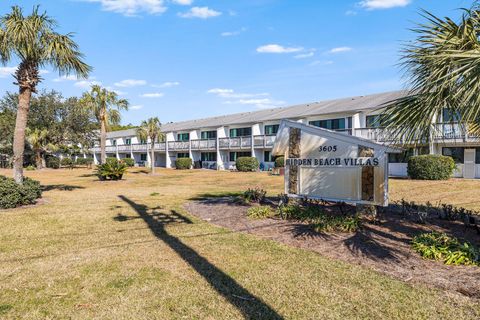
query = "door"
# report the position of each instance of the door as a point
(469, 164)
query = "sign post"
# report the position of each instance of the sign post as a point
(326, 165)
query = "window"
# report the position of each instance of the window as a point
(128, 156)
(209, 156)
(456, 153)
(114, 142)
(204, 135)
(235, 155)
(183, 137)
(143, 157)
(183, 155)
(331, 124)
(400, 157)
(477, 155)
(128, 141)
(271, 130)
(240, 132)
(374, 121)
(267, 156)
(423, 150)
(143, 141)
(450, 115)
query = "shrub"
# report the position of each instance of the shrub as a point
(30, 168)
(261, 212)
(183, 163)
(430, 167)
(84, 162)
(129, 162)
(279, 162)
(66, 162)
(14, 195)
(320, 220)
(254, 195)
(439, 246)
(111, 170)
(53, 162)
(247, 164)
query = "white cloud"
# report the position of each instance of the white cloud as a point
(200, 12)
(275, 48)
(351, 13)
(132, 7)
(152, 95)
(265, 103)
(130, 83)
(43, 71)
(7, 71)
(305, 55)
(320, 62)
(231, 94)
(167, 84)
(65, 78)
(183, 2)
(86, 84)
(340, 50)
(233, 33)
(136, 107)
(383, 4)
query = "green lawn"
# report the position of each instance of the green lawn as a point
(128, 250)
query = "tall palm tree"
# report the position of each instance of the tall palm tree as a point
(38, 141)
(442, 66)
(102, 102)
(151, 128)
(33, 40)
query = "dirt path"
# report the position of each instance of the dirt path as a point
(384, 247)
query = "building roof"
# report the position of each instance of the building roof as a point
(344, 105)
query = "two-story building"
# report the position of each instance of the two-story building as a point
(217, 142)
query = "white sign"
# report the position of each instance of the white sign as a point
(332, 166)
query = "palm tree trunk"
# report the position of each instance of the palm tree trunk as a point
(103, 142)
(38, 159)
(152, 157)
(24, 97)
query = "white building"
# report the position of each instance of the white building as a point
(216, 142)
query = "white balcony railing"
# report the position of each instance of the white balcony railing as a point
(235, 143)
(204, 144)
(178, 145)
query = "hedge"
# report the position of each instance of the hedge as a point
(67, 162)
(183, 163)
(52, 162)
(430, 167)
(129, 162)
(13, 195)
(280, 162)
(84, 161)
(247, 164)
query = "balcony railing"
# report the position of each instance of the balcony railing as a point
(263, 141)
(178, 145)
(160, 146)
(204, 144)
(139, 147)
(235, 143)
(111, 148)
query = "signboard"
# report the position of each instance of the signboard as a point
(332, 166)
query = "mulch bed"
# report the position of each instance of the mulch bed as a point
(384, 247)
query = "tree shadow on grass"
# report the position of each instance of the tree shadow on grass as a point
(62, 187)
(249, 305)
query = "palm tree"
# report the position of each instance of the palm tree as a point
(38, 141)
(33, 40)
(151, 128)
(442, 66)
(102, 102)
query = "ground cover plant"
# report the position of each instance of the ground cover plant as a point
(113, 169)
(260, 212)
(95, 245)
(449, 250)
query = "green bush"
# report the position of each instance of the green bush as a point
(254, 195)
(111, 170)
(247, 164)
(183, 163)
(30, 168)
(280, 162)
(430, 167)
(66, 162)
(129, 162)
(449, 250)
(320, 220)
(14, 195)
(261, 212)
(84, 162)
(111, 159)
(53, 162)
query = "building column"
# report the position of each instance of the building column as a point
(116, 152)
(220, 134)
(168, 161)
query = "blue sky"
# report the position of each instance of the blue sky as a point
(186, 59)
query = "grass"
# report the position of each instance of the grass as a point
(123, 250)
